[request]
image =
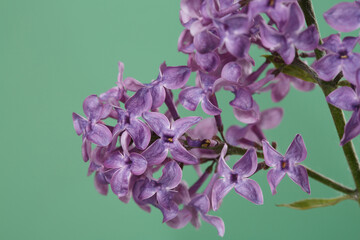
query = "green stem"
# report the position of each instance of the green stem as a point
(337, 114)
(328, 182)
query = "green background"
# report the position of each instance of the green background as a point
(55, 53)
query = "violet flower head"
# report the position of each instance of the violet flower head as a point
(92, 129)
(237, 178)
(344, 16)
(288, 164)
(340, 57)
(349, 100)
(169, 138)
(290, 36)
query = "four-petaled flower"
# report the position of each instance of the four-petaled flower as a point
(169, 138)
(237, 178)
(287, 164)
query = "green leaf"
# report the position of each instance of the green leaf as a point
(314, 203)
(293, 69)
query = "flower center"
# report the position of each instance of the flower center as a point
(284, 165)
(271, 3)
(343, 54)
(233, 178)
(168, 138)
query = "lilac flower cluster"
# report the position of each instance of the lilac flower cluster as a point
(217, 38)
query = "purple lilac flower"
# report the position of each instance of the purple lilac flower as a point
(92, 129)
(290, 35)
(344, 16)
(237, 178)
(169, 138)
(191, 97)
(252, 134)
(169, 77)
(170, 178)
(349, 100)
(280, 86)
(288, 164)
(340, 57)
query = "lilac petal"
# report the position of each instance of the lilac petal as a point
(138, 165)
(93, 107)
(297, 151)
(235, 133)
(250, 190)
(206, 42)
(207, 61)
(302, 85)
(171, 176)
(344, 17)
(190, 97)
(132, 84)
(158, 122)
(121, 71)
(352, 128)
(296, 19)
(100, 135)
(180, 154)
(247, 164)
(80, 123)
(85, 149)
(249, 116)
(271, 118)
(201, 203)
(156, 153)
(271, 38)
(205, 129)
(185, 42)
(332, 43)
(158, 95)
(238, 46)
(223, 169)
(120, 182)
(140, 102)
(236, 24)
(287, 52)
(181, 125)
(243, 99)
(271, 156)
(274, 177)
(216, 222)
(170, 213)
(148, 189)
(209, 108)
(349, 43)
(327, 67)
(280, 89)
(350, 66)
(100, 183)
(300, 176)
(115, 160)
(164, 199)
(181, 220)
(256, 7)
(175, 77)
(140, 133)
(232, 71)
(308, 40)
(220, 190)
(344, 98)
